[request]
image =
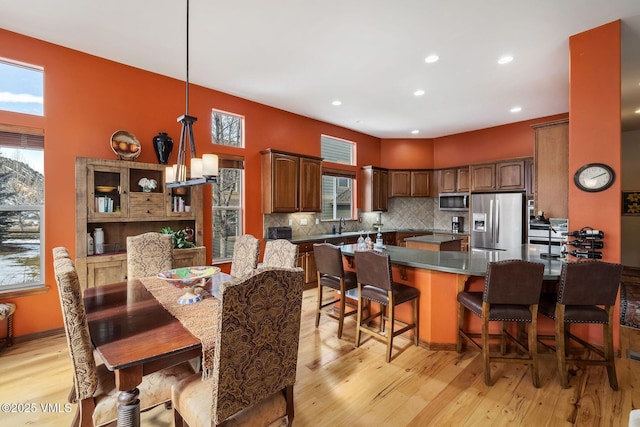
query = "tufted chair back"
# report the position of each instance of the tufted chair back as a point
(256, 350)
(149, 254)
(85, 375)
(280, 253)
(245, 255)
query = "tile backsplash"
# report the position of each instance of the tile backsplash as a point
(403, 213)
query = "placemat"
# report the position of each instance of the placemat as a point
(199, 318)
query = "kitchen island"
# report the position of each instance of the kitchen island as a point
(434, 243)
(441, 275)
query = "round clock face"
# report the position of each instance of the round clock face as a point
(594, 177)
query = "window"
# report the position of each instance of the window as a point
(337, 150)
(227, 208)
(337, 185)
(21, 89)
(337, 198)
(21, 210)
(227, 129)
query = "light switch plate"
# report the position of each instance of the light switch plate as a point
(303, 221)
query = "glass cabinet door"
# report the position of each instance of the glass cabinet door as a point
(107, 191)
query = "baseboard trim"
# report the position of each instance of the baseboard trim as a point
(37, 335)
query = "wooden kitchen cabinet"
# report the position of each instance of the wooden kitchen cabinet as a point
(483, 177)
(453, 180)
(375, 189)
(551, 168)
(410, 183)
(291, 182)
(108, 196)
(508, 175)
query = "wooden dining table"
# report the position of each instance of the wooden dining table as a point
(135, 336)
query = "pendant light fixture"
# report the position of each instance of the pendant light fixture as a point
(203, 171)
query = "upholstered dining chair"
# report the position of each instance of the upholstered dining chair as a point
(94, 388)
(149, 254)
(246, 251)
(331, 275)
(375, 284)
(256, 354)
(511, 294)
(587, 294)
(280, 253)
(60, 252)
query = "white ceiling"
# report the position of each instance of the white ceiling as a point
(300, 55)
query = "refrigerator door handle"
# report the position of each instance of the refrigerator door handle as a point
(497, 223)
(493, 231)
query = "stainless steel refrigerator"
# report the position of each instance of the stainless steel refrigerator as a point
(497, 220)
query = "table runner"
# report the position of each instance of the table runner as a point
(199, 318)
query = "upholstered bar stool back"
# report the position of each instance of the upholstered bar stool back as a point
(587, 294)
(245, 255)
(280, 253)
(331, 275)
(375, 284)
(149, 254)
(511, 294)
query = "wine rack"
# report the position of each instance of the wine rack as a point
(586, 243)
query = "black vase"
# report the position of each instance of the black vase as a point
(162, 145)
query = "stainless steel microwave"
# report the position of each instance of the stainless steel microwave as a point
(453, 201)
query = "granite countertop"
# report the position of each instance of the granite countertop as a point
(372, 234)
(473, 263)
(432, 239)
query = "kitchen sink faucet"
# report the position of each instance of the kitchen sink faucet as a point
(341, 225)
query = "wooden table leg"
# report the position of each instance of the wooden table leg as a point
(129, 408)
(127, 381)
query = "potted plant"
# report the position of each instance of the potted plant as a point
(182, 239)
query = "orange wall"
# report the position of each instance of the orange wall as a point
(406, 153)
(87, 98)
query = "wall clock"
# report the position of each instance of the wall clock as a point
(594, 177)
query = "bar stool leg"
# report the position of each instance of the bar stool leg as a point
(533, 347)
(359, 315)
(416, 320)
(561, 349)
(391, 318)
(485, 344)
(319, 302)
(607, 340)
(460, 326)
(343, 302)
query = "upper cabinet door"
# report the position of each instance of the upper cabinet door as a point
(284, 186)
(421, 183)
(400, 183)
(310, 185)
(447, 180)
(462, 185)
(483, 177)
(510, 175)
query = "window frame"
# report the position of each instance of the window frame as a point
(239, 186)
(21, 138)
(241, 130)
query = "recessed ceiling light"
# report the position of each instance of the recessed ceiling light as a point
(419, 92)
(336, 102)
(415, 131)
(431, 59)
(515, 109)
(637, 111)
(505, 59)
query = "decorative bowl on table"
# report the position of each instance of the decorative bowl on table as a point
(188, 278)
(125, 145)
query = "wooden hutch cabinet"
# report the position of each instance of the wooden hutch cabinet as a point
(109, 197)
(291, 182)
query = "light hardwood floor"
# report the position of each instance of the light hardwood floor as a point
(339, 385)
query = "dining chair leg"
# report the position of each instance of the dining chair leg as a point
(561, 346)
(503, 338)
(485, 344)
(607, 341)
(416, 321)
(288, 393)
(533, 346)
(460, 326)
(359, 315)
(391, 319)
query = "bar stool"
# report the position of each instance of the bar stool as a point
(587, 294)
(331, 274)
(511, 294)
(375, 284)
